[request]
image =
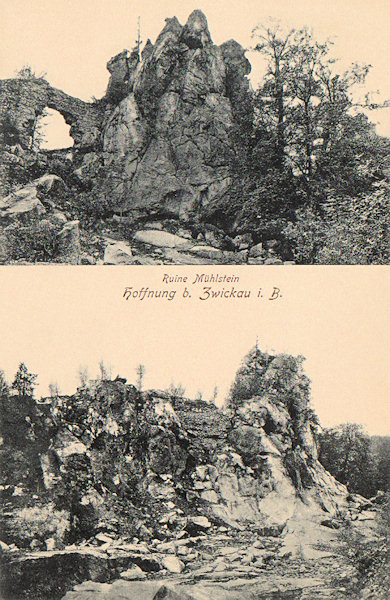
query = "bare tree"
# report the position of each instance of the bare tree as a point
(176, 391)
(215, 395)
(54, 389)
(83, 375)
(138, 41)
(140, 370)
(27, 73)
(4, 387)
(105, 371)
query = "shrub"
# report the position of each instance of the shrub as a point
(38, 523)
(370, 557)
(16, 468)
(90, 208)
(35, 240)
(350, 231)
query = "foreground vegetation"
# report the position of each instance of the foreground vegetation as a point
(310, 169)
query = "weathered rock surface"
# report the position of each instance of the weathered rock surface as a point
(281, 589)
(118, 253)
(161, 239)
(171, 133)
(31, 197)
(235, 566)
(162, 132)
(205, 495)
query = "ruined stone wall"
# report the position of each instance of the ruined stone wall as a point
(206, 426)
(22, 101)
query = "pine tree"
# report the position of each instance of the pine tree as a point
(24, 381)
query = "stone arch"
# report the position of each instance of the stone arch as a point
(24, 101)
(54, 129)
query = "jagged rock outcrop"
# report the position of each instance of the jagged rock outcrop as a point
(159, 147)
(257, 466)
(171, 133)
(160, 138)
(159, 485)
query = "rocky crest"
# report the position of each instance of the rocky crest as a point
(170, 135)
(145, 485)
(161, 134)
(151, 165)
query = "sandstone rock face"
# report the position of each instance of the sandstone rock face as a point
(118, 254)
(170, 135)
(160, 140)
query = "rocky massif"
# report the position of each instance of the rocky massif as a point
(161, 132)
(157, 149)
(120, 493)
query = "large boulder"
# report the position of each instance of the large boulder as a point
(32, 197)
(118, 253)
(161, 239)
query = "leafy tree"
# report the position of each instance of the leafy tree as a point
(279, 377)
(24, 381)
(274, 45)
(381, 455)
(311, 156)
(345, 451)
(309, 111)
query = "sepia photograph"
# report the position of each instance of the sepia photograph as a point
(251, 132)
(206, 425)
(163, 446)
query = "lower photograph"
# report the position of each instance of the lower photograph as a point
(179, 435)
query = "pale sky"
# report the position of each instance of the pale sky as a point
(72, 40)
(57, 319)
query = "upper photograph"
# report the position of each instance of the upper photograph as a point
(191, 133)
